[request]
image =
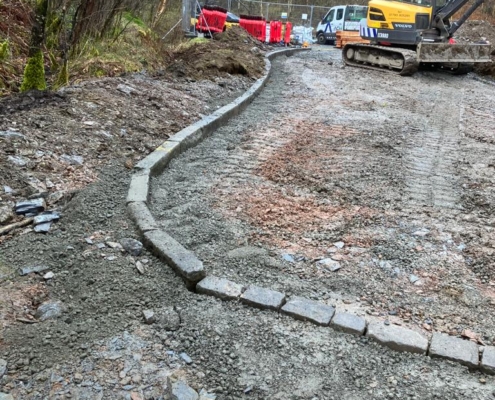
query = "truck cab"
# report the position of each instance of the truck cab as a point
(339, 18)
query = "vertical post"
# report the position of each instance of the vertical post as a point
(267, 12)
(311, 16)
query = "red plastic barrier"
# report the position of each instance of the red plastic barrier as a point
(288, 29)
(255, 26)
(275, 31)
(211, 19)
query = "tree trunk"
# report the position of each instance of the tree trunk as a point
(38, 30)
(160, 11)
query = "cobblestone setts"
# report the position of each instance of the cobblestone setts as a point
(309, 310)
(192, 270)
(348, 323)
(397, 338)
(263, 298)
(455, 349)
(220, 288)
(183, 261)
(488, 360)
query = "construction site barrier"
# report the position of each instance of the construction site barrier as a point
(288, 29)
(255, 26)
(212, 19)
(275, 31)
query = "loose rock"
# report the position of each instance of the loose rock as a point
(179, 390)
(45, 217)
(48, 275)
(17, 160)
(149, 316)
(140, 267)
(73, 160)
(43, 228)
(330, 264)
(33, 206)
(11, 134)
(168, 319)
(3, 367)
(132, 246)
(186, 358)
(31, 269)
(6, 214)
(49, 310)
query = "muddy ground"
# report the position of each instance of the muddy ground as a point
(100, 348)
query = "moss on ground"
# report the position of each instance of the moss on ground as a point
(4, 50)
(34, 73)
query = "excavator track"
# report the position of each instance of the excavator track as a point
(391, 59)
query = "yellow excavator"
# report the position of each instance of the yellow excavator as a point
(404, 35)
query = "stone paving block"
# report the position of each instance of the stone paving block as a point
(140, 214)
(183, 261)
(348, 323)
(487, 361)
(309, 310)
(397, 338)
(220, 288)
(263, 298)
(190, 136)
(138, 188)
(454, 349)
(159, 159)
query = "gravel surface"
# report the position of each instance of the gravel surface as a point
(365, 190)
(101, 348)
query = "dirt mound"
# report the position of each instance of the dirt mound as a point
(232, 52)
(475, 31)
(55, 143)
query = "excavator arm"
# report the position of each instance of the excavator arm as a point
(442, 14)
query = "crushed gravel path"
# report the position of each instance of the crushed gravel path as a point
(100, 347)
(391, 167)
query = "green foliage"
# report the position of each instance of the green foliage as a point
(131, 19)
(4, 50)
(63, 76)
(54, 65)
(34, 73)
(198, 40)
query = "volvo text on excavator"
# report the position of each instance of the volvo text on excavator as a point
(407, 34)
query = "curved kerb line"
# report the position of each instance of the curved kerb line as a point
(191, 269)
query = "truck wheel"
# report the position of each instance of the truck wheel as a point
(321, 38)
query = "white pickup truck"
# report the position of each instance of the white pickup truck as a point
(339, 18)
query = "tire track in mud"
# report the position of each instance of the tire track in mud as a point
(430, 178)
(262, 145)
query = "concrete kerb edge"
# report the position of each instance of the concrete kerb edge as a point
(157, 161)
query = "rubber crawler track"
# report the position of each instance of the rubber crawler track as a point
(411, 64)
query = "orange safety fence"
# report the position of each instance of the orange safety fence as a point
(256, 26)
